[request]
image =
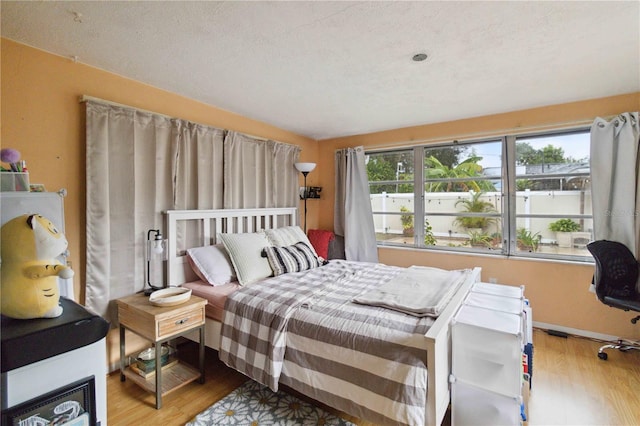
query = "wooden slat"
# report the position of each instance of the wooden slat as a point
(223, 220)
(206, 232)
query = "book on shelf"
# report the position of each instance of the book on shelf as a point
(146, 374)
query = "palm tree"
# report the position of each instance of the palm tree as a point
(469, 168)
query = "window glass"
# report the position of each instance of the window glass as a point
(463, 202)
(553, 194)
(391, 184)
(467, 201)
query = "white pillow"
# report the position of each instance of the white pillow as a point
(245, 251)
(288, 236)
(212, 264)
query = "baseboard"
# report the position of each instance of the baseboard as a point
(575, 331)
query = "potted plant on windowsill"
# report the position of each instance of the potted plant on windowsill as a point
(563, 229)
(527, 241)
(429, 237)
(479, 239)
(475, 205)
(407, 222)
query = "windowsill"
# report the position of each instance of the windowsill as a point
(488, 255)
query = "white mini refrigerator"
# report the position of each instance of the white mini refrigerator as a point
(54, 370)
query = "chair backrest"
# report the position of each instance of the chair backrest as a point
(616, 270)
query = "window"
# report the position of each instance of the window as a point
(517, 195)
(391, 184)
(552, 194)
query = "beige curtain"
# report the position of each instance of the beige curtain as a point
(140, 164)
(615, 180)
(197, 166)
(353, 217)
(259, 173)
(198, 171)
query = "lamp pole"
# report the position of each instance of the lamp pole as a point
(305, 168)
(305, 192)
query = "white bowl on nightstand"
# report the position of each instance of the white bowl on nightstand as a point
(170, 296)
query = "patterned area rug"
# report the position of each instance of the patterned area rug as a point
(253, 404)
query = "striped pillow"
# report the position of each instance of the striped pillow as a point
(295, 258)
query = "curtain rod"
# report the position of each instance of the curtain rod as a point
(85, 98)
(487, 134)
(402, 144)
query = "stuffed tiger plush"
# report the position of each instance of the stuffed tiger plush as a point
(29, 288)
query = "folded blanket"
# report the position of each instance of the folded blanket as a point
(418, 290)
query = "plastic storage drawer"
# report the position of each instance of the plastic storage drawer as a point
(488, 349)
(478, 407)
(498, 290)
(511, 305)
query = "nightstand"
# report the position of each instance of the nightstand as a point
(159, 325)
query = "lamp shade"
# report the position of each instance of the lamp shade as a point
(156, 247)
(305, 167)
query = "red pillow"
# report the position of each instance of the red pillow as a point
(320, 239)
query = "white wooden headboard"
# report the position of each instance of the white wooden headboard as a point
(208, 224)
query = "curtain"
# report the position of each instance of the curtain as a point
(198, 171)
(198, 166)
(259, 173)
(353, 217)
(139, 164)
(615, 180)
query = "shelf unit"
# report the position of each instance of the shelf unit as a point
(489, 335)
(173, 377)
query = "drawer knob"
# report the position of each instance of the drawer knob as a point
(182, 321)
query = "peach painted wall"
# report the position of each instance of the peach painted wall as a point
(42, 118)
(558, 291)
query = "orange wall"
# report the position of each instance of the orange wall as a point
(42, 118)
(558, 291)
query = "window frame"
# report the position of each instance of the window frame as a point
(507, 216)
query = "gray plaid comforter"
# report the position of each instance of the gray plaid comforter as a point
(303, 330)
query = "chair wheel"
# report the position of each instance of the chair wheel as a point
(602, 355)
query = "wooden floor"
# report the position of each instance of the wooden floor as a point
(571, 386)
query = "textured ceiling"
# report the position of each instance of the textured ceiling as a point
(329, 69)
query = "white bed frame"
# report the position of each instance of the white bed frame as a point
(213, 222)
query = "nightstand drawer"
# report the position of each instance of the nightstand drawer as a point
(183, 321)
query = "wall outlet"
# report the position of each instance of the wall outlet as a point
(493, 280)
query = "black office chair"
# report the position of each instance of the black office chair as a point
(615, 280)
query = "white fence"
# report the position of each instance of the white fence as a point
(527, 202)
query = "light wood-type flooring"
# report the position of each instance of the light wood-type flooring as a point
(571, 386)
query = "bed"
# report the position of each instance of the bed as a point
(304, 330)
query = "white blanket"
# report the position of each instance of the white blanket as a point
(418, 290)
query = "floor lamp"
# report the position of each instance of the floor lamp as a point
(305, 168)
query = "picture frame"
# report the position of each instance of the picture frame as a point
(70, 405)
